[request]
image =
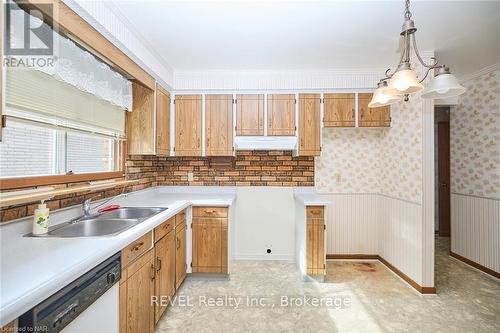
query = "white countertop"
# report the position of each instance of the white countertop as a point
(32, 269)
(309, 197)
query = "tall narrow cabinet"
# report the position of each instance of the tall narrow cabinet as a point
(309, 125)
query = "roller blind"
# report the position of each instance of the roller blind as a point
(35, 95)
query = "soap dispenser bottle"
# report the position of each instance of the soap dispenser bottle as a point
(41, 219)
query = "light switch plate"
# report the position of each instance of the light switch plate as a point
(190, 176)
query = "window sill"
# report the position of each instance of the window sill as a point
(11, 198)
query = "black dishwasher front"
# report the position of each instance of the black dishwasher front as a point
(57, 311)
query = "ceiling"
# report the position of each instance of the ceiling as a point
(308, 35)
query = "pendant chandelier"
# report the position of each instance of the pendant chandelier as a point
(404, 81)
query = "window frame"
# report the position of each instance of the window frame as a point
(20, 182)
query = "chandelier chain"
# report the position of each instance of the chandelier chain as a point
(407, 10)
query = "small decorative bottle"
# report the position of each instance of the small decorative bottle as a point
(41, 220)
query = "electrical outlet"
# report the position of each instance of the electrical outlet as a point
(190, 176)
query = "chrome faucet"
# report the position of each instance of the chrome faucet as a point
(86, 208)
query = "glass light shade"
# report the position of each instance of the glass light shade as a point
(443, 86)
(381, 97)
(404, 82)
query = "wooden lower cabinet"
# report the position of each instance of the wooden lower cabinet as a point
(209, 240)
(137, 286)
(180, 254)
(165, 272)
(315, 242)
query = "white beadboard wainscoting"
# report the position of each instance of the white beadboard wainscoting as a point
(475, 229)
(400, 236)
(352, 223)
(375, 224)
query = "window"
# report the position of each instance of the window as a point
(34, 150)
(64, 122)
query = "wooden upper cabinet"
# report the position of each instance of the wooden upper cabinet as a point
(141, 121)
(339, 110)
(281, 114)
(309, 125)
(218, 125)
(372, 117)
(188, 125)
(162, 122)
(249, 114)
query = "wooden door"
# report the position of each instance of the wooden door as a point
(372, 117)
(180, 255)
(162, 122)
(188, 125)
(339, 110)
(207, 245)
(139, 288)
(250, 114)
(444, 178)
(309, 125)
(140, 122)
(315, 242)
(219, 125)
(281, 114)
(165, 271)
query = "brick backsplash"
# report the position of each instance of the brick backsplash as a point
(248, 168)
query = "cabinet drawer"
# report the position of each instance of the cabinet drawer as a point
(180, 217)
(209, 211)
(315, 212)
(164, 228)
(136, 249)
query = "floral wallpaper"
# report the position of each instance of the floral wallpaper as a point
(475, 138)
(386, 161)
(349, 161)
(401, 152)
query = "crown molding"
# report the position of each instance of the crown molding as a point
(479, 73)
(277, 80)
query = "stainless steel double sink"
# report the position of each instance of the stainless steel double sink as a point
(104, 224)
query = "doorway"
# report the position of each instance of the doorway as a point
(442, 171)
(443, 128)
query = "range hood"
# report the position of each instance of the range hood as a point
(265, 142)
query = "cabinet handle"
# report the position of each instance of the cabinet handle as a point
(137, 247)
(158, 263)
(152, 271)
(178, 243)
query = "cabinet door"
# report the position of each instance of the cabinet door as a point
(219, 125)
(339, 110)
(249, 114)
(162, 122)
(309, 125)
(180, 255)
(281, 114)
(372, 117)
(140, 122)
(165, 271)
(315, 246)
(188, 125)
(139, 290)
(209, 245)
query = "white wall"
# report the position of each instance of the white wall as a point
(265, 219)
